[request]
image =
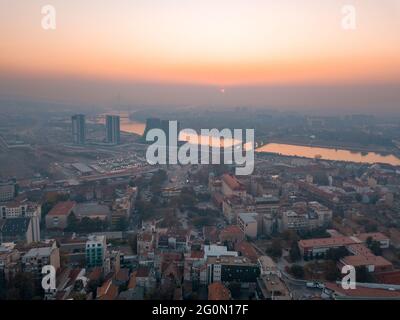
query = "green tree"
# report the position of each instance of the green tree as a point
(294, 252)
(363, 275)
(331, 271)
(22, 287)
(297, 271)
(275, 250)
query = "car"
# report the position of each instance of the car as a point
(311, 284)
(320, 285)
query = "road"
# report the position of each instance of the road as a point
(297, 287)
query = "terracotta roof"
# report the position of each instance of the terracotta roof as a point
(95, 274)
(361, 260)
(122, 275)
(392, 277)
(362, 292)
(377, 236)
(210, 233)
(108, 291)
(247, 250)
(217, 291)
(132, 280)
(327, 242)
(231, 230)
(359, 250)
(197, 254)
(232, 182)
(145, 236)
(62, 208)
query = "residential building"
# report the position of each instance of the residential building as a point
(247, 222)
(113, 129)
(78, 129)
(23, 230)
(383, 240)
(9, 261)
(231, 234)
(371, 262)
(19, 209)
(314, 247)
(231, 186)
(7, 190)
(217, 251)
(57, 218)
(229, 268)
(96, 248)
(36, 258)
(145, 245)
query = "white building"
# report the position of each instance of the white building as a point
(247, 222)
(19, 209)
(217, 251)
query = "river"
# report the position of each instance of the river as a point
(133, 126)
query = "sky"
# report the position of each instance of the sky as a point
(177, 51)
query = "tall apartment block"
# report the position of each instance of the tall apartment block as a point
(78, 129)
(113, 135)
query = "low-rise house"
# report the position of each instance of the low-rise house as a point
(57, 218)
(231, 234)
(383, 240)
(36, 258)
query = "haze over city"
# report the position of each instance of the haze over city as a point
(199, 157)
(262, 53)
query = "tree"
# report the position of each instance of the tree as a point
(363, 275)
(72, 222)
(297, 271)
(22, 287)
(331, 271)
(275, 249)
(294, 252)
(335, 254)
(78, 296)
(234, 288)
(122, 224)
(375, 247)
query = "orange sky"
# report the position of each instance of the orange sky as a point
(224, 42)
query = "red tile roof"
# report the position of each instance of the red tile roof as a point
(233, 229)
(363, 292)
(232, 182)
(361, 260)
(392, 277)
(197, 254)
(377, 236)
(247, 250)
(62, 208)
(132, 280)
(217, 291)
(327, 242)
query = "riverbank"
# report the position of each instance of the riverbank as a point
(330, 145)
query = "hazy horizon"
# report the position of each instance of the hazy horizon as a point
(257, 53)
